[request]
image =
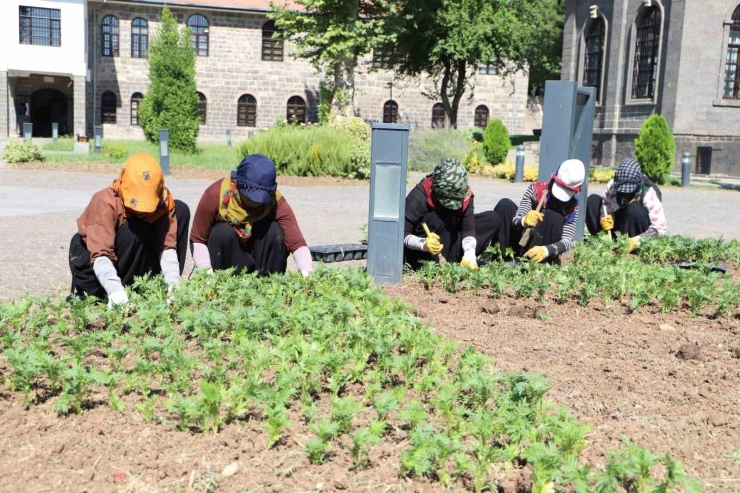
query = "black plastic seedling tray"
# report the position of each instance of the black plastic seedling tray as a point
(338, 253)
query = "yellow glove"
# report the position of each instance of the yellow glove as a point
(470, 264)
(538, 253)
(607, 223)
(433, 245)
(634, 242)
(532, 218)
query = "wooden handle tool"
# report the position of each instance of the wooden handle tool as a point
(606, 213)
(442, 260)
(528, 232)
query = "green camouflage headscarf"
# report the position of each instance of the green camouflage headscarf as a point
(450, 184)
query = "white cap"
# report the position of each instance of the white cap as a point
(571, 173)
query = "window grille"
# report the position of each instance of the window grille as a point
(139, 38)
(135, 101)
(438, 116)
(732, 74)
(645, 69)
(39, 26)
(272, 47)
(296, 110)
(246, 115)
(199, 27)
(594, 55)
(110, 36)
(390, 112)
(481, 116)
(108, 108)
(202, 108)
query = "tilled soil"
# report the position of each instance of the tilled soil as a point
(667, 382)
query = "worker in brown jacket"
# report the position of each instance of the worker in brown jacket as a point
(131, 228)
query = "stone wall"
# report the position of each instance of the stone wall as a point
(4, 112)
(234, 67)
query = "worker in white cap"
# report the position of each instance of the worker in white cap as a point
(549, 209)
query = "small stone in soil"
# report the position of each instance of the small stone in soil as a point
(688, 352)
(540, 313)
(735, 353)
(491, 307)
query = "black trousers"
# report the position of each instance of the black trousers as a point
(265, 252)
(545, 233)
(633, 220)
(135, 250)
(449, 229)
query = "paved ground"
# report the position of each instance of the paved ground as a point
(38, 211)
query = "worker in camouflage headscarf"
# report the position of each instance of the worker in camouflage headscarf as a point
(441, 222)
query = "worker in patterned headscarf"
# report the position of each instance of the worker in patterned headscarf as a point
(244, 222)
(132, 228)
(443, 203)
(631, 204)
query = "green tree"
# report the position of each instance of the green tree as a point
(172, 100)
(333, 35)
(448, 39)
(496, 143)
(545, 57)
(655, 148)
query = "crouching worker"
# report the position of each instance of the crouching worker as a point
(244, 222)
(633, 206)
(132, 228)
(443, 203)
(553, 227)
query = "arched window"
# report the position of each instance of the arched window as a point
(246, 111)
(110, 36)
(438, 116)
(593, 59)
(272, 47)
(390, 112)
(732, 74)
(199, 27)
(108, 107)
(202, 108)
(647, 48)
(296, 110)
(481, 116)
(135, 101)
(139, 38)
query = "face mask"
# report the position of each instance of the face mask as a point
(624, 199)
(553, 201)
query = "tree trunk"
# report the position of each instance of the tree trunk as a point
(443, 90)
(344, 75)
(455, 75)
(459, 91)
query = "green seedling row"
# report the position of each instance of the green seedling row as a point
(331, 351)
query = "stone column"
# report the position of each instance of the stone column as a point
(4, 110)
(80, 106)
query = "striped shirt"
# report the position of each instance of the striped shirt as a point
(569, 230)
(651, 202)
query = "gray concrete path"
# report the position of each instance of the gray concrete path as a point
(38, 212)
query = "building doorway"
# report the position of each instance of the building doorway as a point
(48, 106)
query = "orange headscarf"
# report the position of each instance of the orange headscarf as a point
(141, 188)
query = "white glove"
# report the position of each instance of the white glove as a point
(171, 293)
(117, 298)
(470, 259)
(306, 273)
(209, 271)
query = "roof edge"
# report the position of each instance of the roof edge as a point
(182, 5)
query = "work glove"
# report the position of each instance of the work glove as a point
(469, 260)
(433, 245)
(117, 299)
(607, 223)
(538, 254)
(171, 293)
(634, 242)
(532, 218)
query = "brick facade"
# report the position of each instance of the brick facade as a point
(234, 67)
(691, 69)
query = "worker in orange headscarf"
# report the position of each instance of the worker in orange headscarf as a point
(132, 228)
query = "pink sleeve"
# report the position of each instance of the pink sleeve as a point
(610, 199)
(655, 211)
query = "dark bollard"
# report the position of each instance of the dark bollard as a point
(164, 151)
(55, 131)
(686, 169)
(228, 138)
(519, 174)
(98, 138)
(27, 132)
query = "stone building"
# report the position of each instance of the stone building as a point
(677, 58)
(246, 78)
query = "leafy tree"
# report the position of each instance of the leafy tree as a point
(496, 143)
(448, 39)
(545, 57)
(333, 35)
(172, 100)
(655, 148)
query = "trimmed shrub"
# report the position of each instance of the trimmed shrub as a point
(496, 143)
(115, 151)
(474, 160)
(356, 128)
(428, 147)
(506, 171)
(17, 151)
(655, 149)
(304, 150)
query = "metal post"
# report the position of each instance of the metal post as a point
(686, 169)
(388, 169)
(228, 138)
(55, 131)
(27, 132)
(164, 151)
(519, 174)
(98, 132)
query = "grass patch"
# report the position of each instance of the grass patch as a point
(428, 147)
(65, 144)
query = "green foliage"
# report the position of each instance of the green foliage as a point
(310, 150)
(545, 51)
(428, 147)
(17, 151)
(172, 100)
(115, 151)
(65, 143)
(357, 129)
(655, 148)
(496, 143)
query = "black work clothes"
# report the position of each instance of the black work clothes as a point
(632, 220)
(136, 252)
(547, 232)
(265, 252)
